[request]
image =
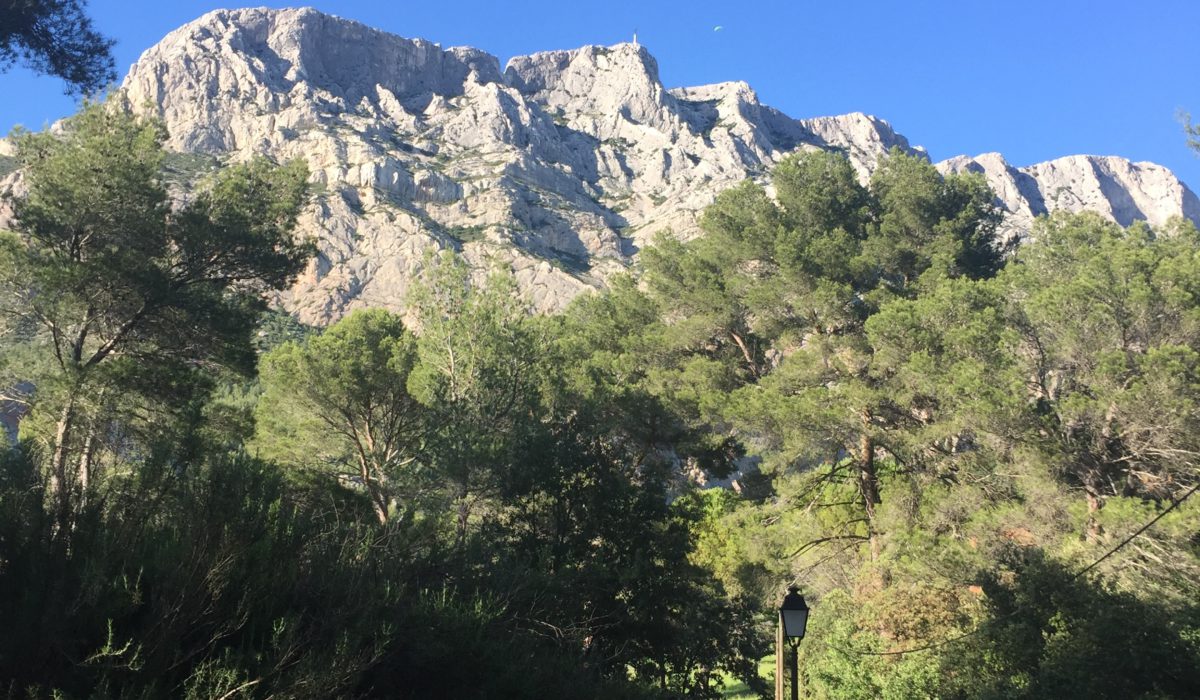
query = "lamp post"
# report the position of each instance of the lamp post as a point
(793, 620)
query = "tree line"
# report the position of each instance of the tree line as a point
(932, 431)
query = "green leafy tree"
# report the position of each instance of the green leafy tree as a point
(341, 399)
(1110, 324)
(1056, 635)
(477, 373)
(924, 222)
(609, 369)
(766, 312)
(129, 296)
(1048, 402)
(56, 37)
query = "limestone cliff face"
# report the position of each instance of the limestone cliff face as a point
(1114, 187)
(561, 166)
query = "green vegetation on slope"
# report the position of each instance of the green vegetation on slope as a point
(423, 501)
(947, 440)
(496, 506)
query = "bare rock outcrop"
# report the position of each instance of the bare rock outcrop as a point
(1116, 188)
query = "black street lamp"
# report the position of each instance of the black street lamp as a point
(793, 620)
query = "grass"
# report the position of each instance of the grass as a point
(7, 165)
(737, 690)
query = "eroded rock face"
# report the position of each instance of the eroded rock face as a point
(1118, 189)
(560, 167)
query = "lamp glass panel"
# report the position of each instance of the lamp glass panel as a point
(794, 622)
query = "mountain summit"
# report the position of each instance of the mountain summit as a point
(561, 165)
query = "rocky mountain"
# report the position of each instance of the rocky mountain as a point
(1116, 188)
(560, 166)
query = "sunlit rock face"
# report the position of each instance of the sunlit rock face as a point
(559, 167)
(1116, 188)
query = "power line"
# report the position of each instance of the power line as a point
(981, 626)
(1140, 530)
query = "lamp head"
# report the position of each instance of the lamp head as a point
(793, 614)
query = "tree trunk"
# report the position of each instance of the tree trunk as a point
(464, 515)
(1094, 529)
(85, 464)
(868, 484)
(380, 508)
(88, 453)
(60, 487)
(378, 491)
(868, 480)
(375, 492)
(755, 370)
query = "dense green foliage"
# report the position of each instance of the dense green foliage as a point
(56, 37)
(424, 516)
(125, 306)
(458, 437)
(931, 433)
(946, 439)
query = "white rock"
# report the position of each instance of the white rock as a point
(1114, 187)
(579, 156)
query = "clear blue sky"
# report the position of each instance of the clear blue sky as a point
(1033, 79)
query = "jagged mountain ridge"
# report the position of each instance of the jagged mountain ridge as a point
(1116, 188)
(561, 166)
